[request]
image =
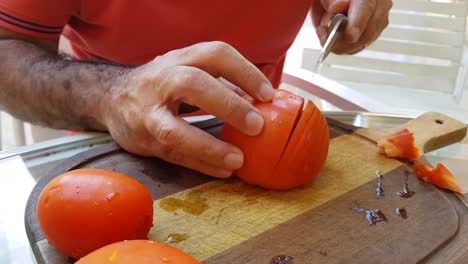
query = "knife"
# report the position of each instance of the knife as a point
(336, 28)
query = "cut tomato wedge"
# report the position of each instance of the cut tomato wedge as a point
(292, 147)
(399, 145)
(439, 176)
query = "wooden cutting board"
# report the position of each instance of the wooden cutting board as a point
(228, 221)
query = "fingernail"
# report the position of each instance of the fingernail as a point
(254, 123)
(266, 92)
(355, 34)
(233, 161)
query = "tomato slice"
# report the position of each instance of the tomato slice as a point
(305, 153)
(263, 152)
(439, 176)
(399, 145)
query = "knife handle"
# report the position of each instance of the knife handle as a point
(337, 18)
(334, 34)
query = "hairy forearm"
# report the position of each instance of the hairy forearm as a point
(46, 89)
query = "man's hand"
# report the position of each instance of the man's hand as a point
(367, 19)
(138, 106)
(141, 110)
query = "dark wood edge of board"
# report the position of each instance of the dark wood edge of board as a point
(454, 205)
(459, 208)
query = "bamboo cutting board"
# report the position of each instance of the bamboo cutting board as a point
(228, 221)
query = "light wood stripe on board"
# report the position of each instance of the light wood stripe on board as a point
(235, 212)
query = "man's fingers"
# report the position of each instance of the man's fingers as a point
(231, 86)
(359, 15)
(181, 159)
(198, 165)
(377, 23)
(317, 17)
(317, 12)
(335, 6)
(178, 141)
(221, 60)
(366, 20)
(353, 48)
(196, 87)
(323, 11)
(323, 28)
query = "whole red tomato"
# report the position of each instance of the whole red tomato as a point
(138, 252)
(85, 209)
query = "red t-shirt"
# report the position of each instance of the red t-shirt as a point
(134, 32)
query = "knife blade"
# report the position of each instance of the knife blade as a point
(336, 28)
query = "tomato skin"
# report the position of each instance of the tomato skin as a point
(265, 149)
(290, 151)
(138, 251)
(85, 209)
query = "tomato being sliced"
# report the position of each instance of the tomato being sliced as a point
(85, 209)
(138, 252)
(292, 147)
(305, 153)
(264, 150)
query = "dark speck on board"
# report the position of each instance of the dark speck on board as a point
(401, 212)
(323, 252)
(405, 191)
(379, 190)
(372, 216)
(282, 259)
